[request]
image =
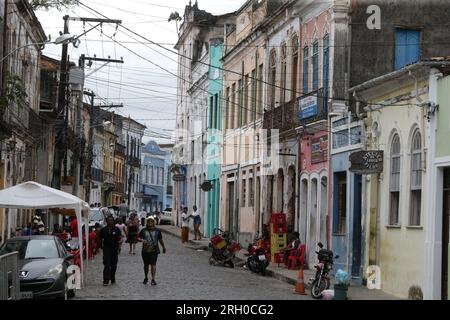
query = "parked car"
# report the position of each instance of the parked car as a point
(166, 217)
(96, 216)
(43, 262)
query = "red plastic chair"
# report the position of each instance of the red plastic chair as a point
(297, 255)
(279, 258)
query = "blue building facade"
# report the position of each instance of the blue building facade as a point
(348, 202)
(154, 177)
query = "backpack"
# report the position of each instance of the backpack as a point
(152, 246)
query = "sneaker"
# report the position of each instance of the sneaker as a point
(145, 281)
(113, 281)
(105, 283)
(153, 282)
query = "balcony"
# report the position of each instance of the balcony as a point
(119, 187)
(97, 174)
(283, 118)
(5, 128)
(313, 111)
(108, 178)
(134, 162)
(119, 150)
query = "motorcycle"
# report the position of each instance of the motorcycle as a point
(224, 249)
(321, 281)
(258, 256)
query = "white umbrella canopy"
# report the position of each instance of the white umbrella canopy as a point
(32, 195)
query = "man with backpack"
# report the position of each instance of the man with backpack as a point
(151, 237)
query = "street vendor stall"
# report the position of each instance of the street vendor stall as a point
(32, 195)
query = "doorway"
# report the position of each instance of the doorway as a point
(231, 207)
(291, 200)
(357, 237)
(445, 234)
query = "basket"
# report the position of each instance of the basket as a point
(218, 242)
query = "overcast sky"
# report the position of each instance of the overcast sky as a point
(147, 92)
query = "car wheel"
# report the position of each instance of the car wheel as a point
(64, 296)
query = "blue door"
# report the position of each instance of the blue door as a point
(407, 47)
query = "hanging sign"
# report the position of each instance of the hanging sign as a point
(367, 162)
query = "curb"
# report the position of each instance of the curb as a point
(177, 235)
(269, 272)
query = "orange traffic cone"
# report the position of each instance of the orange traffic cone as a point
(300, 286)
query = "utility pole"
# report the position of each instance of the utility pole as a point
(90, 147)
(61, 125)
(60, 119)
(79, 154)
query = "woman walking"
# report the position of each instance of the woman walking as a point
(197, 222)
(133, 231)
(185, 226)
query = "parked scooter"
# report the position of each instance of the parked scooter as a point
(321, 280)
(224, 249)
(258, 256)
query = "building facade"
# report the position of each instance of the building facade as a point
(154, 177)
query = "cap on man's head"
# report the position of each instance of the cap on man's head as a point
(150, 218)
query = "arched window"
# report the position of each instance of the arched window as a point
(416, 179)
(272, 77)
(395, 181)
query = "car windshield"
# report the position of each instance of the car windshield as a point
(95, 215)
(32, 249)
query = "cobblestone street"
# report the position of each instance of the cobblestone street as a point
(182, 274)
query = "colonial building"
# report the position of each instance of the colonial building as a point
(198, 95)
(20, 103)
(243, 63)
(132, 133)
(437, 232)
(396, 123)
(153, 178)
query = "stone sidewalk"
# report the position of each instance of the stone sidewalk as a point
(282, 273)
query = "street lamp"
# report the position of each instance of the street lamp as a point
(63, 39)
(104, 124)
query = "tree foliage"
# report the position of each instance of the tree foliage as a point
(14, 91)
(50, 4)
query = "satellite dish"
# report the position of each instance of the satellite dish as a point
(206, 186)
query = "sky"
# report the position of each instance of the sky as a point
(147, 92)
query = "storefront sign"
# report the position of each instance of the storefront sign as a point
(179, 177)
(319, 149)
(308, 107)
(367, 162)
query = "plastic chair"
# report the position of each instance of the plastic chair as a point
(296, 255)
(279, 258)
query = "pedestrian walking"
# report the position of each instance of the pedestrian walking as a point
(74, 227)
(143, 216)
(197, 223)
(123, 210)
(111, 240)
(185, 225)
(133, 231)
(123, 229)
(151, 237)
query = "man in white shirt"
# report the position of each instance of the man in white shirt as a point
(143, 216)
(185, 225)
(123, 210)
